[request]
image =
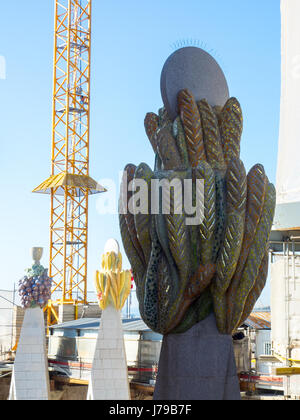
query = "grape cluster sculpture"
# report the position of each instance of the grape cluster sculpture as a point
(183, 272)
(35, 287)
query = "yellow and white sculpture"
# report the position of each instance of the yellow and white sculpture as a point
(109, 375)
(112, 284)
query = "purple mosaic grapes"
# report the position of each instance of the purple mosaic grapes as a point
(35, 291)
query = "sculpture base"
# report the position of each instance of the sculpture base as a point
(30, 377)
(197, 365)
(109, 375)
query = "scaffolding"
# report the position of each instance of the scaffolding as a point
(285, 299)
(11, 318)
(69, 184)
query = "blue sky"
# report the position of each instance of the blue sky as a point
(131, 41)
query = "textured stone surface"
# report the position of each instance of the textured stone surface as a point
(30, 378)
(197, 365)
(109, 375)
(194, 69)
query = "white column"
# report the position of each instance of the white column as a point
(30, 378)
(109, 375)
(288, 168)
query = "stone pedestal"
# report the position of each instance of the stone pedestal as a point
(197, 365)
(30, 377)
(109, 375)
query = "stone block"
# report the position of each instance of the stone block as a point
(107, 363)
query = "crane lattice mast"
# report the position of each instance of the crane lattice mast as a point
(69, 184)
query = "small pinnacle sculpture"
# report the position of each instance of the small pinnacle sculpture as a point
(109, 376)
(30, 377)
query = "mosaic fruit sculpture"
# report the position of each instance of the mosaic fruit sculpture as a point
(35, 287)
(113, 285)
(183, 272)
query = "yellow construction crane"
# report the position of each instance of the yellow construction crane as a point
(69, 184)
